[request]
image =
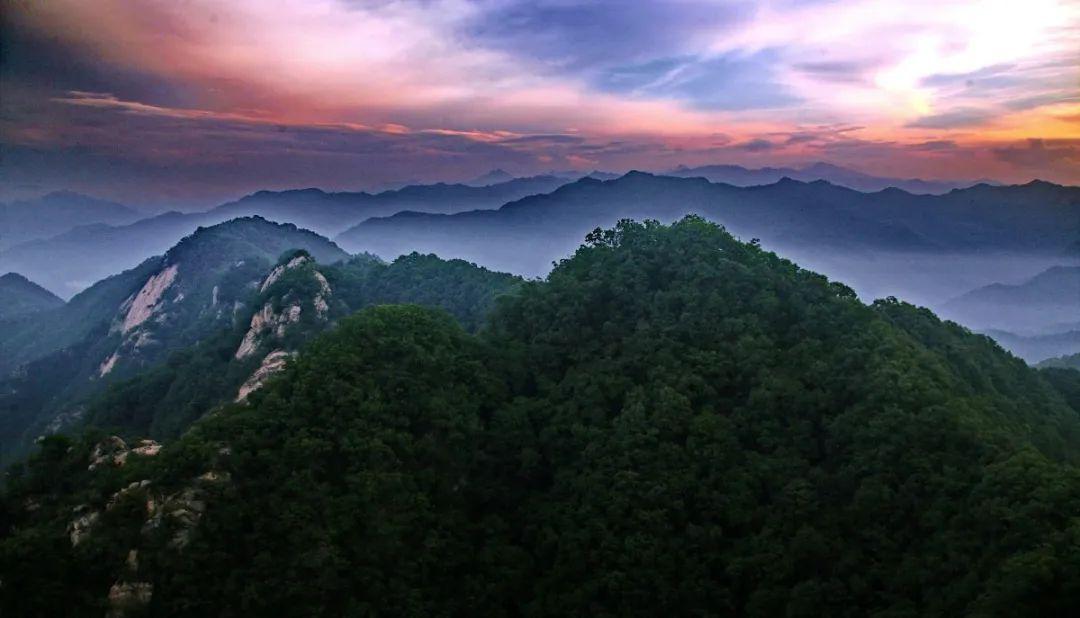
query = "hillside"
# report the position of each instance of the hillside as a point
(19, 297)
(126, 323)
(672, 423)
(163, 401)
(55, 213)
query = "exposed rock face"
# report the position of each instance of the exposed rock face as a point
(321, 306)
(147, 448)
(273, 363)
(127, 597)
(112, 450)
(180, 511)
(108, 364)
(127, 491)
(275, 274)
(265, 319)
(146, 300)
(80, 527)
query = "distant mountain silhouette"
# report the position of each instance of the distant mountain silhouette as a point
(526, 235)
(69, 262)
(1037, 348)
(57, 212)
(495, 176)
(1051, 296)
(741, 176)
(19, 297)
(1071, 361)
(331, 213)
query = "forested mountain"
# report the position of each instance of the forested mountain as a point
(1052, 296)
(834, 174)
(219, 298)
(127, 323)
(165, 400)
(672, 423)
(55, 213)
(19, 296)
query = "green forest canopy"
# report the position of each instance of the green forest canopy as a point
(674, 422)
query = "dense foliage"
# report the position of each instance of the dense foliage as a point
(163, 401)
(674, 423)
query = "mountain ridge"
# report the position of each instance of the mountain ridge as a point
(670, 423)
(786, 212)
(19, 296)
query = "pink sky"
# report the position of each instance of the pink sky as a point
(449, 88)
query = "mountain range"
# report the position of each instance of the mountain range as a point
(60, 263)
(924, 248)
(1052, 296)
(834, 174)
(527, 235)
(55, 213)
(671, 422)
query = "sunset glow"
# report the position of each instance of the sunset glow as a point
(145, 91)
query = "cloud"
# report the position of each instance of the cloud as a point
(967, 78)
(1040, 100)
(840, 71)
(756, 145)
(339, 93)
(580, 37)
(725, 82)
(937, 145)
(1040, 153)
(953, 119)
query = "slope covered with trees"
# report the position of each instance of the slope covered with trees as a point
(672, 423)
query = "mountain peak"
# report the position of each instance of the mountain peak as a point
(495, 176)
(20, 296)
(638, 174)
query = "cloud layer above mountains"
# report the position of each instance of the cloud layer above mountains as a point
(200, 99)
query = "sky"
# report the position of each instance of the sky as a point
(177, 103)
